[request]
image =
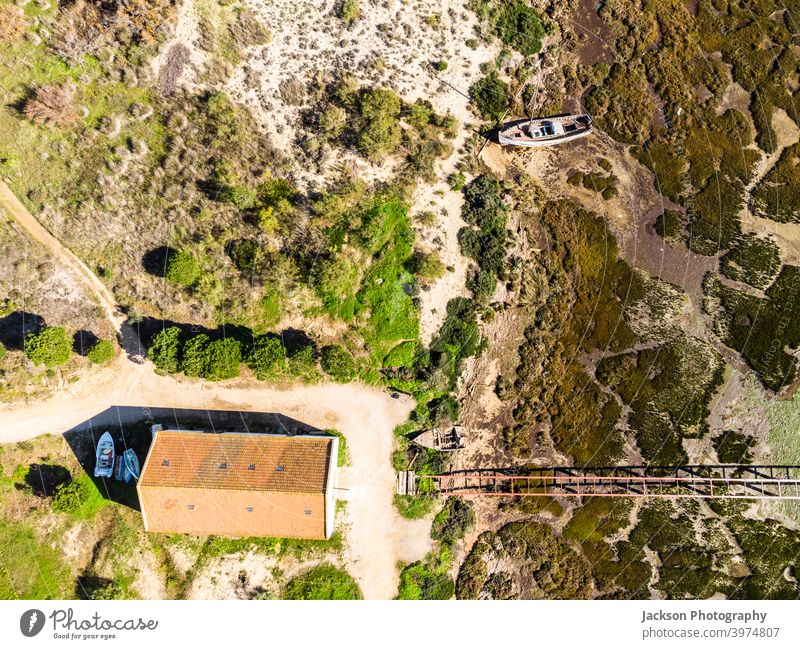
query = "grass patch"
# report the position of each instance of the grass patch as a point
(323, 582)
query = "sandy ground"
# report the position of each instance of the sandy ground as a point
(71, 263)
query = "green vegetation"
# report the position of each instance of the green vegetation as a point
(514, 22)
(734, 447)
(668, 390)
(761, 329)
(485, 240)
(752, 260)
(350, 10)
(29, 569)
(454, 521)
(549, 565)
(413, 507)
(101, 352)
(777, 195)
(605, 185)
(338, 363)
(50, 347)
(323, 582)
(669, 226)
(164, 350)
(78, 497)
(182, 268)
(268, 358)
(428, 579)
(490, 97)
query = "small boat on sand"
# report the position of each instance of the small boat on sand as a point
(545, 131)
(442, 438)
(104, 465)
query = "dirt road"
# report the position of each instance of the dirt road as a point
(20, 213)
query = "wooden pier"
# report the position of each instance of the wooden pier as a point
(691, 481)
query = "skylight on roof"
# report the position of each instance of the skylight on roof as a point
(223, 465)
(164, 462)
(280, 467)
(251, 467)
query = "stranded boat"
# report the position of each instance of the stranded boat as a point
(443, 438)
(104, 466)
(545, 131)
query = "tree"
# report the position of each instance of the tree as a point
(164, 350)
(101, 352)
(50, 347)
(182, 268)
(268, 358)
(338, 363)
(490, 96)
(194, 356)
(224, 358)
(428, 265)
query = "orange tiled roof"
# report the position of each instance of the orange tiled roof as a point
(238, 461)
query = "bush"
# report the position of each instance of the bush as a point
(338, 363)
(413, 507)
(164, 350)
(490, 97)
(101, 352)
(379, 132)
(50, 347)
(349, 10)
(224, 358)
(428, 265)
(428, 579)
(323, 582)
(455, 520)
(52, 105)
(518, 26)
(194, 355)
(182, 269)
(752, 260)
(79, 497)
(268, 358)
(402, 355)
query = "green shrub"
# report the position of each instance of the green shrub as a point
(268, 358)
(343, 457)
(428, 579)
(302, 363)
(455, 520)
(490, 97)
(379, 132)
(338, 363)
(247, 255)
(194, 355)
(520, 27)
(428, 265)
(224, 359)
(350, 10)
(50, 347)
(164, 350)
(413, 507)
(402, 355)
(182, 269)
(752, 260)
(79, 497)
(101, 352)
(323, 582)
(734, 447)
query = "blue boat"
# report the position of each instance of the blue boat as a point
(127, 466)
(104, 465)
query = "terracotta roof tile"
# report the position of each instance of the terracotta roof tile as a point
(238, 461)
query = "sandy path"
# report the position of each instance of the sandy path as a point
(20, 213)
(377, 537)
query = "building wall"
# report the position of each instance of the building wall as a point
(225, 512)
